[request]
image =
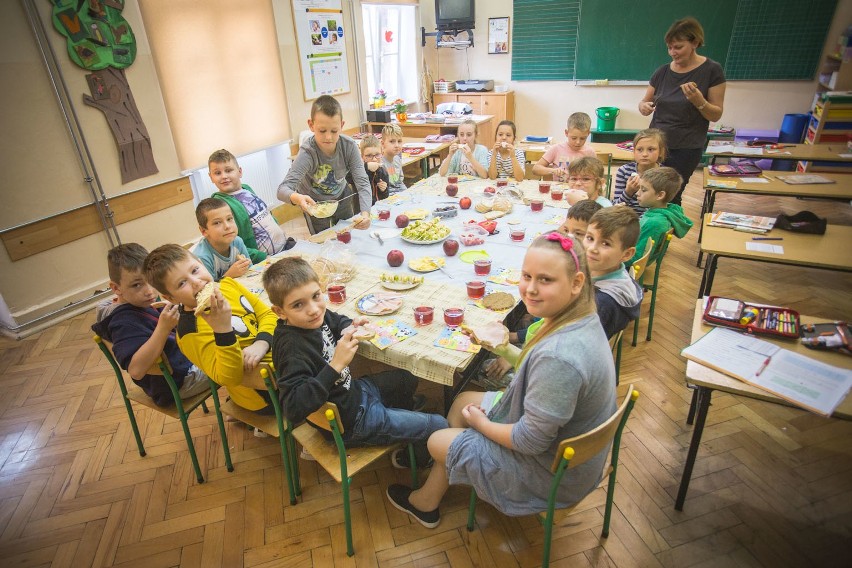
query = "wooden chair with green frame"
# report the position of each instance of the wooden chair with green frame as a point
(637, 270)
(606, 158)
(180, 411)
(654, 266)
(577, 451)
(340, 462)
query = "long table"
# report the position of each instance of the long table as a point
(806, 152)
(440, 289)
(830, 251)
(706, 380)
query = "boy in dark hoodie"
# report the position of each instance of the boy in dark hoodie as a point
(610, 241)
(656, 188)
(140, 333)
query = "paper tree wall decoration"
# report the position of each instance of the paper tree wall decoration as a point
(100, 40)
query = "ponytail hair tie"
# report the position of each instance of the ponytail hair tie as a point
(567, 245)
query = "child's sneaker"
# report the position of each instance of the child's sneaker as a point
(398, 497)
(258, 433)
(306, 455)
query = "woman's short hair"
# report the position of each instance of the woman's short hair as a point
(686, 29)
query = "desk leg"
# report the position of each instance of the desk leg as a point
(690, 417)
(706, 207)
(703, 394)
(707, 277)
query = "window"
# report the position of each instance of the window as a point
(390, 35)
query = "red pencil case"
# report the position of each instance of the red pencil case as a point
(759, 320)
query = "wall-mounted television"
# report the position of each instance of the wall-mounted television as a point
(455, 14)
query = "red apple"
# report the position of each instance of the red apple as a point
(451, 247)
(490, 189)
(465, 202)
(401, 222)
(395, 257)
(452, 189)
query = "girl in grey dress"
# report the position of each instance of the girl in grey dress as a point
(564, 386)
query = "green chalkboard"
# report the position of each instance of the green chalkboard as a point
(623, 39)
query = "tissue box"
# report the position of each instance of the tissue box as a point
(376, 115)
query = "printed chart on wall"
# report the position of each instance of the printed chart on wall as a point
(322, 48)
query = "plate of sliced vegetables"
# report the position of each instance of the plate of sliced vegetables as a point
(400, 282)
(426, 232)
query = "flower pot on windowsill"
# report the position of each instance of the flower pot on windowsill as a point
(378, 103)
(402, 116)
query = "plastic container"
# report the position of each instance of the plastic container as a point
(792, 132)
(606, 118)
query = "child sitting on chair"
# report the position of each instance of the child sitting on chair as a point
(312, 349)
(649, 150)
(502, 443)
(221, 249)
(505, 160)
(657, 187)
(140, 333)
(555, 160)
(391, 158)
(371, 153)
(586, 180)
(226, 340)
(466, 157)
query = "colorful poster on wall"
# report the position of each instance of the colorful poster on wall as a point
(322, 47)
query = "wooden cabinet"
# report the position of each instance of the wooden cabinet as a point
(500, 105)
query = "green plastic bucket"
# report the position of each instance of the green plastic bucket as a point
(606, 118)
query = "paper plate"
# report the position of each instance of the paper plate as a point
(404, 282)
(426, 264)
(379, 304)
(469, 256)
(399, 286)
(432, 242)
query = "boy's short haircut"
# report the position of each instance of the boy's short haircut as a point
(160, 261)
(327, 105)
(686, 29)
(205, 206)
(584, 210)
(389, 130)
(285, 276)
(664, 179)
(222, 156)
(580, 121)
(611, 221)
(586, 165)
(129, 257)
(370, 141)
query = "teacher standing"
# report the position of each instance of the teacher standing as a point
(684, 97)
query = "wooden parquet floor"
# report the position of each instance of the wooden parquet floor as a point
(772, 485)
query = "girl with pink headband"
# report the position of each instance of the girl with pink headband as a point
(503, 443)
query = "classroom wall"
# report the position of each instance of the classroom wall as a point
(748, 104)
(42, 175)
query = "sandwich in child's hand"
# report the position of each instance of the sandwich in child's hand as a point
(491, 335)
(241, 257)
(364, 332)
(159, 304)
(204, 298)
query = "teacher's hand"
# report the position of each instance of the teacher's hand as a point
(647, 107)
(692, 94)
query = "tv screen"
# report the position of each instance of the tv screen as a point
(454, 14)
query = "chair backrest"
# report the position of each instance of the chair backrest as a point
(640, 265)
(152, 370)
(654, 267)
(613, 341)
(588, 445)
(319, 417)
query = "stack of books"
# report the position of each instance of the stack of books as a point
(740, 222)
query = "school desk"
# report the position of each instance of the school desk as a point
(423, 129)
(835, 152)
(830, 251)
(431, 149)
(840, 189)
(706, 380)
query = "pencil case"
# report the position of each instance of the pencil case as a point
(834, 336)
(758, 320)
(739, 169)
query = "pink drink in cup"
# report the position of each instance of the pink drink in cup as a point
(556, 194)
(475, 289)
(517, 234)
(482, 266)
(384, 213)
(452, 179)
(544, 187)
(502, 182)
(536, 204)
(344, 236)
(423, 315)
(453, 317)
(337, 294)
